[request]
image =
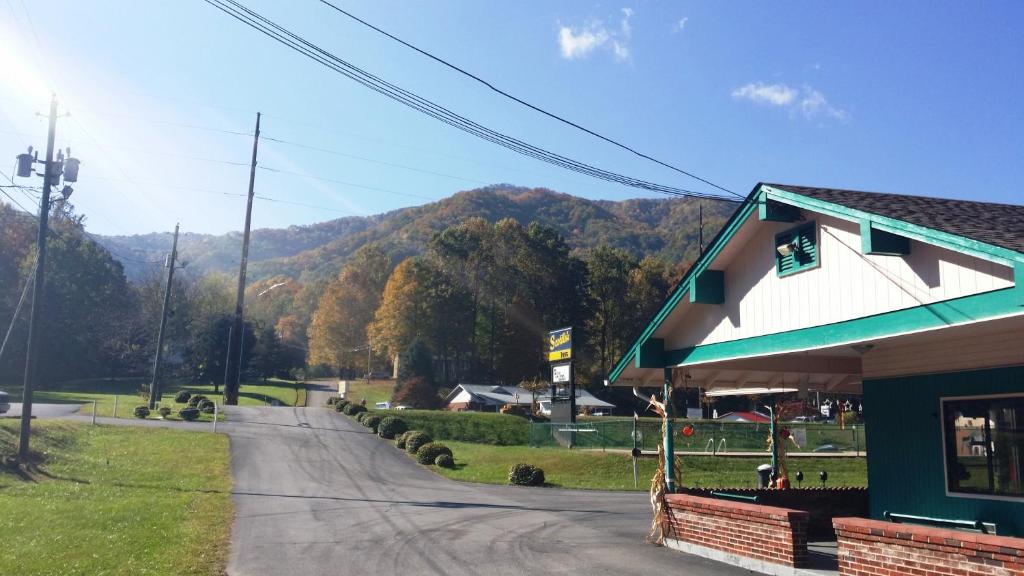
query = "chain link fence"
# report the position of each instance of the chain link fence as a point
(704, 436)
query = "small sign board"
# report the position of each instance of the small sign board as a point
(560, 345)
(561, 373)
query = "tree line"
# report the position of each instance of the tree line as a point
(480, 301)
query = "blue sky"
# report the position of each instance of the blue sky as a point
(916, 98)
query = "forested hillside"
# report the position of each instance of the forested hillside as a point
(666, 228)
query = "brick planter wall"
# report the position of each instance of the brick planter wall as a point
(822, 504)
(738, 530)
(872, 547)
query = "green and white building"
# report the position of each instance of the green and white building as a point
(918, 303)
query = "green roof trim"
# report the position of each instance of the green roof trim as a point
(760, 196)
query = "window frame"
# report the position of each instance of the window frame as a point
(945, 451)
(793, 232)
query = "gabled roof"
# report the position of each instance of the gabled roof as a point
(997, 224)
(501, 395)
(995, 231)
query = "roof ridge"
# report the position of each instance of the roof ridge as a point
(891, 194)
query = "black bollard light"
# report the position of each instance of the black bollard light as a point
(824, 477)
(799, 477)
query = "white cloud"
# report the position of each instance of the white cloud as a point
(811, 103)
(578, 43)
(773, 94)
(814, 104)
(679, 25)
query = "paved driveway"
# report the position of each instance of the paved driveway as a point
(315, 493)
(43, 410)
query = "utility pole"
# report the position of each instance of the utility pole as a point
(155, 388)
(32, 355)
(234, 362)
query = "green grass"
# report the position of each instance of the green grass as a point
(476, 427)
(614, 471)
(116, 501)
(374, 391)
(104, 390)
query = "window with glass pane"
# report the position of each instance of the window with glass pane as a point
(985, 445)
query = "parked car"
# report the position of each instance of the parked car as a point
(5, 402)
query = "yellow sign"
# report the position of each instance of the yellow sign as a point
(560, 344)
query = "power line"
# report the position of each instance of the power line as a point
(525, 103)
(364, 159)
(352, 184)
(429, 108)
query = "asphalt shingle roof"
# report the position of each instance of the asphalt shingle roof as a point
(997, 224)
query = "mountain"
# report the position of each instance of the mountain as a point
(665, 227)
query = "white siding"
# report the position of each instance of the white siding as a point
(846, 285)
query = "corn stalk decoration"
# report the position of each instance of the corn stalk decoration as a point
(659, 487)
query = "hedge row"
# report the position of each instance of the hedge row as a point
(475, 427)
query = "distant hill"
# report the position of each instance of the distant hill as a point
(666, 227)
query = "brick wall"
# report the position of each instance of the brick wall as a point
(765, 533)
(873, 547)
(822, 504)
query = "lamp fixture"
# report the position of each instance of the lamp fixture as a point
(786, 249)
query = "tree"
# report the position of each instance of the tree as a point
(416, 361)
(418, 393)
(206, 355)
(338, 329)
(607, 273)
(405, 309)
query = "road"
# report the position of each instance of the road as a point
(316, 493)
(43, 410)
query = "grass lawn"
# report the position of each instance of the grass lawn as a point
(374, 391)
(104, 390)
(116, 501)
(614, 471)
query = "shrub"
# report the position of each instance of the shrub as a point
(391, 426)
(332, 400)
(526, 475)
(194, 401)
(182, 397)
(445, 461)
(429, 452)
(371, 421)
(340, 405)
(418, 393)
(164, 411)
(475, 427)
(413, 441)
(360, 415)
(141, 412)
(353, 409)
(400, 440)
(189, 414)
(205, 406)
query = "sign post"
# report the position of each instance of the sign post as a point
(560, 356)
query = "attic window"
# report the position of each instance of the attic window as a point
(796, 249)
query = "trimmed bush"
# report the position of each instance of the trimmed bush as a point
(360, 415)
(189, 414)
(371, 421)
(353, 409)
(340, 405)
(429, 452)
(164, 411)
(182, 397)
(194, 401)
(525, 475)
(475, 427)
(391, 426)
(445, 461)
(141, 412)
(332, 400)
(400, 440)
(413, 441)
(205, 406)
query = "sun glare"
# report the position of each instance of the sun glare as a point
(18, 74)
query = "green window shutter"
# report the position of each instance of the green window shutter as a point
(805, 255)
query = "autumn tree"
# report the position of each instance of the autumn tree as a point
(339, 325)
(405, 312)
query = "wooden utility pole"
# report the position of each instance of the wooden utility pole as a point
(233, 369)
(32, 355)
(156, 387)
